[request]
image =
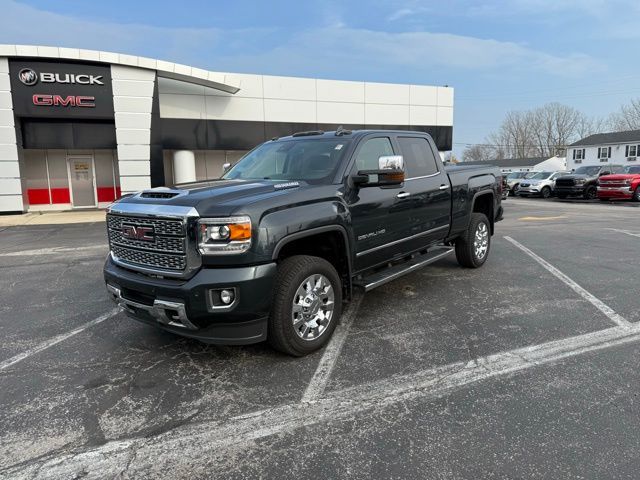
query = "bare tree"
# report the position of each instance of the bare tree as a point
(628, 118)
(478, 153)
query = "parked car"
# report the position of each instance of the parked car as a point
(540, 184)
(625, 185)
(583, 181)
(272, 249)
(513, 181)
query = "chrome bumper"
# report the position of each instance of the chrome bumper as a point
(177, 317)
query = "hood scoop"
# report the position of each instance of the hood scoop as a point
(161, 192)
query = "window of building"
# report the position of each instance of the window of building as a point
(418, 156)
(604, 153)
(631, 151)
(578, 155)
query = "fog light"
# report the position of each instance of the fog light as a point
(227, 297)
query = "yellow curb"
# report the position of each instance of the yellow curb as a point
(542, 218)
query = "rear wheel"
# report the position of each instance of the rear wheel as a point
(472, 248)
(545, 192)
(306, 307)
(591, 192)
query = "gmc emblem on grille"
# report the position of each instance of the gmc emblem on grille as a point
(138, 232)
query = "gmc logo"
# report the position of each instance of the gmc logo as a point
(133, 232)
(60, 101)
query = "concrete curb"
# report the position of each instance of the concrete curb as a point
(52, 218)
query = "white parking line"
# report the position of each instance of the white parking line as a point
(320, 378)
(52, 251)
(139, 455)
(57, 339)
(627, 232)
(596, 302)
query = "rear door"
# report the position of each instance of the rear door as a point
(426, 193)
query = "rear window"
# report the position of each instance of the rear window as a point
(418, 156)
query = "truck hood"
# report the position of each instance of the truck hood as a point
(576, 176)
(216, 197)
(620, 176)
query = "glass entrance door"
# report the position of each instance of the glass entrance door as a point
(82, 181)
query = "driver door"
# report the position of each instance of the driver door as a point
(376, 219)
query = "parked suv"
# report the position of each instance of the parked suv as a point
(541, 184)
(272, 249)
(625, 185)
(583, 182)
(514, 179)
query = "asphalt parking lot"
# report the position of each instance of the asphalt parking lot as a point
(525, 368)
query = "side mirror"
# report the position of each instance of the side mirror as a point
(390, 172)
(604, 173)
(225, 167)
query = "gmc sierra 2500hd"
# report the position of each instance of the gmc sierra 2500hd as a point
(273, 249)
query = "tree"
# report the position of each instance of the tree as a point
(628, 118)
(478, 153)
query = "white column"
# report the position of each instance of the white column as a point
(184, 166)
(10, 183)
(132, 102)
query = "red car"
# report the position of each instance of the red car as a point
(623, 186)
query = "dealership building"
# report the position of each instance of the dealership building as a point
(79, 128)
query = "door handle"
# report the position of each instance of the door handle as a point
(403, 195)
(443, 187)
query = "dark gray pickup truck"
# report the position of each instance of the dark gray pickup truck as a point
(274, 248)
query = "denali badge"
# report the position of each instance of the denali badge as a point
(28, 76)
(133, 232)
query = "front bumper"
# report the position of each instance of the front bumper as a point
(572, 191)
(184, 307)
(623, 193)
(528, 191)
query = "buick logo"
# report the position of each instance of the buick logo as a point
(138, 232)
(28, 76)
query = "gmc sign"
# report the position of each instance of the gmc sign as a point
(61, 89)
(68, 101)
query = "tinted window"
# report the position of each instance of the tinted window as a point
(310, 160)
(418, 157)
(370, 151)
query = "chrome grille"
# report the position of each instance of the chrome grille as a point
(160, 226)
(166, 252)
(150, 259)
(161, 244)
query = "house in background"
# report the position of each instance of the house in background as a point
(619, 148)
(538, 164)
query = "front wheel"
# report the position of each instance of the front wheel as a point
(545, 192)
(307, 303)
(636, 195)
(591, 192)
(472, 248)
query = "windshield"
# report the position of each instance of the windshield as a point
(542, 175)
(587, 170)
(310, 160)
(530, 175)
(514, 175)
(632, 169)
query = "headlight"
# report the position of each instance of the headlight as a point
(222, 236)
(580, 181)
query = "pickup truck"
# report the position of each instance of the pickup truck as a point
(624, 185)
(583, 181)
(274, 248)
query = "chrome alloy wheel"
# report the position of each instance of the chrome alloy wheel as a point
(313, 305)
(481, 241)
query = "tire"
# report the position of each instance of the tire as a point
(636, 195)
(591, 192)
(292, 274)
(545, 192)
(466, 252)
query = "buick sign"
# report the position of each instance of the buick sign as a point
(28, 76)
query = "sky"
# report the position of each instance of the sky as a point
(498, 55)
